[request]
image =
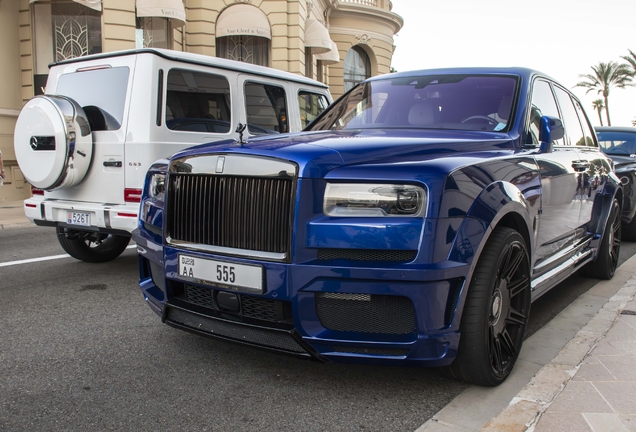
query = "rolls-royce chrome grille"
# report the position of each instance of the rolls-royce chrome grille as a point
(231, 213)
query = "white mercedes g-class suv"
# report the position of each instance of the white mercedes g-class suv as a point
(85, 145)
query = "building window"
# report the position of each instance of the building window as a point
(357, 67)
(245, 48)
(63, 30)
(152, 32)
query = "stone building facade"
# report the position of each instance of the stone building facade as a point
(338, 42)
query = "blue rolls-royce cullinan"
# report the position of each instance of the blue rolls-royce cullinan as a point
(412, 223)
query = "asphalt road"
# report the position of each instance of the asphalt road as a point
(79, 350)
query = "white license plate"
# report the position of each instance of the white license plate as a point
(77, 218)
(239, 277)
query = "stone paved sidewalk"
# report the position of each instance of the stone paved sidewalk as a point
(12, 215)
(590, 385)
(602, 394)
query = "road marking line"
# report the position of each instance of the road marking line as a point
(47, 258)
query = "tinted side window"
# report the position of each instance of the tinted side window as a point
(197, 102)
(542, 104)
(570, 118)
(587, 129)
(109, 97)
(311, 105)
(266, 109)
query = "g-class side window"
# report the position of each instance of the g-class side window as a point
(197, 102)
(311, 105)
(266, 108)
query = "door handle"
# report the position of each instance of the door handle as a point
(112, 164)
(580, 165)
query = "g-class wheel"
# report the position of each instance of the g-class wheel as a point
(496, 312)
(91, 247)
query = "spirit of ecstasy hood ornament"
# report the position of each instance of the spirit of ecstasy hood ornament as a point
(240, 128)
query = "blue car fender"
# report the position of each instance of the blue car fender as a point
(601, 210)
(501, 203)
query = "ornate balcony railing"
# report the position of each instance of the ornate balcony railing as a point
(362, 2)
(382, 4)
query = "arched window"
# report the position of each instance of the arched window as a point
(152, 32)
(155, 21)
(243, 34)
(63, 29)
(357, 67)
(248, 49)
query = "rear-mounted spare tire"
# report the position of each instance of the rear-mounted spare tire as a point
(53, 142)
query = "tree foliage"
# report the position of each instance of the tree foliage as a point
(599, 106)
(631, 61)
(606, 76)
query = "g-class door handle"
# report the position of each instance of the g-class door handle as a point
(112, 164)
(580, 165)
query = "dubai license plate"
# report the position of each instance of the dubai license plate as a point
(238, 277)
(77, 218)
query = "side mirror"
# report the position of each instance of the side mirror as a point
(551, 129)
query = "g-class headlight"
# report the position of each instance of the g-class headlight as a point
(373, 200)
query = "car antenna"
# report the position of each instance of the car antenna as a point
(240, 128)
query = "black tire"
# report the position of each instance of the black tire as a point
(629, 231)
(496, 312)
(91, 247)
(604, 266)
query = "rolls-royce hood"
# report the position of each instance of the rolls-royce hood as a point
(317, 153)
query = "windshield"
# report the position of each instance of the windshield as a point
(460, 102)
(617, 143)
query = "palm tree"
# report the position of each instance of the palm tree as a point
(631, 60)
(599, 106)
(606, 76)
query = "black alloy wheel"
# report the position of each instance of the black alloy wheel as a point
(496, 311)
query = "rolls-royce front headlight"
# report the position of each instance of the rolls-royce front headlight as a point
(157, 186)
(374, 200)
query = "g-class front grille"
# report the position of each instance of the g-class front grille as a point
(241, 212)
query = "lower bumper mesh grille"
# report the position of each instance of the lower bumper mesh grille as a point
(367, 255)
(366, 313)
(251, 307)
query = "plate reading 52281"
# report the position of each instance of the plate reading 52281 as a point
(239, 277)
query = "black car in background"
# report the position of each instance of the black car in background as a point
(619, 143)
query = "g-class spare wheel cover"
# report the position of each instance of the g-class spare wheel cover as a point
(53, 142)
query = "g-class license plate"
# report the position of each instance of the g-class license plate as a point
(239, 277)
(77, 218)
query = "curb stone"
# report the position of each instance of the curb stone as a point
(525, 409)
(16, 225)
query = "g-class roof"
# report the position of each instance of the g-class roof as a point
(200, 59)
